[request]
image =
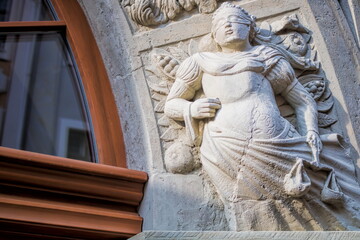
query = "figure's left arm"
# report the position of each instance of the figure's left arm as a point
(306, 113)
(283, 80)
(305, 108)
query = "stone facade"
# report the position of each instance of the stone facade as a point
(246, 235)
(179, 198)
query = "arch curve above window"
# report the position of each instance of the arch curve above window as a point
(97, 87)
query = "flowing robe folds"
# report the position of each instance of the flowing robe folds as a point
(253, 157)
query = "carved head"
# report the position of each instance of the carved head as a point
(231, 23)
(296, 43)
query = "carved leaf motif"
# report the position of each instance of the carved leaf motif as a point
(159, 108)
(178, 53)
(164, 121)
(193, 47)
(309, 77)
(326, 95)
(325, 120)
(170, 8)
(155, 12)
(326, 105)
(313, 56)
(205, 6)
(158, 97)
(153, 78)
(151, 70)
(169, 135)
(186, 4)
(159, 88)
(176, 125)
(141, 12)
(159, 51)
(288, 23)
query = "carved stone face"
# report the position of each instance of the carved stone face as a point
(230, 28)
(296, 43)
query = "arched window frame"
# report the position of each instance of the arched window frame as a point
(46, 197)
(101, 102)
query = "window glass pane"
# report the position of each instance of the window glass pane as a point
(24, 10)
(41, 105)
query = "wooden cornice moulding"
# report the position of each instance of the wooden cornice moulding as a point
(67, 198)
(56, 174)
(26, 212)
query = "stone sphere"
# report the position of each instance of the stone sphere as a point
(179, 159)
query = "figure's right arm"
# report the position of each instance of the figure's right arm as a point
(188, 81)
(179, 101)
(175, 106)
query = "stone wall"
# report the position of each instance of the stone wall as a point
(184, 202)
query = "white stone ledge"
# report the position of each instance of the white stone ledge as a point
(158, 235)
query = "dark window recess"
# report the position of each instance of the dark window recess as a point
(78, 144)
(25, 10)
(5, 10)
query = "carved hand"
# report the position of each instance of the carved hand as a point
(204, 108)
(313, 139)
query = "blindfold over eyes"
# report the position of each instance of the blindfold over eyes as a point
(217, 23)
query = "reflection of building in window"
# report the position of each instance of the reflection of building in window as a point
(39, 85)
(78, 146)
(73, 140)
(4, 10)
(4, 16)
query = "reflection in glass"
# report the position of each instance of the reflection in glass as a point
(24, 10)
(41, 108)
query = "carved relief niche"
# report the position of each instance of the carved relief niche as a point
(167, 37)
(287, 35)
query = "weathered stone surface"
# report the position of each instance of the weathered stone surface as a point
(124, 67)
(182, 203)
(351, 9)
(127, 50)
(256, 159)
(150, 235)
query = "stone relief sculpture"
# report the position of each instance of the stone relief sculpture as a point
(154, 12)
(253, 108)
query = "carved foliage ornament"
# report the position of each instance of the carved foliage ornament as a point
(155, 12)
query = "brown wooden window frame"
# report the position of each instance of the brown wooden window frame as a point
(49, 197)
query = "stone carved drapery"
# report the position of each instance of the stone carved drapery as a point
(293, 41)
